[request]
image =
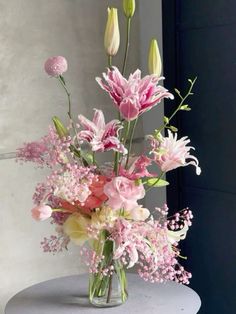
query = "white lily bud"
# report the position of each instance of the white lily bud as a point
(112, 32)
(129, 8)
(154, 59)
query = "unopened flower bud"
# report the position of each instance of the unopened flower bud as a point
(129, 8)
(154, 60)
(112, 33)
(60, 128)
(41, 212)
(55, 66)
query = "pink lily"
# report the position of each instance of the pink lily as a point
(138, 168)
(171, 153)
(101, 136)
(134, 96)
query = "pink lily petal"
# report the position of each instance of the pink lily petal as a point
(129, 109)
(98, 119)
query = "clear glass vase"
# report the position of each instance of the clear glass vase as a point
(107, 290)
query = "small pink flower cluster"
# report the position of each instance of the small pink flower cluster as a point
(180, 219)
(49, 151)
(147, 244)
(55, 244)
(93, 262)
(70, 183)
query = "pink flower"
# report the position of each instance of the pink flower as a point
(97, 196)
(123, 193)
(135, 95)
(55, 66)
(170, 153)
(33, 151)
(138, 169)
(101, 136)
(48, 151)
(41, 212)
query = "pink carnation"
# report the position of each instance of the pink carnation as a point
(41, 212)
(55, 66)
(135, 95)
(123, 193)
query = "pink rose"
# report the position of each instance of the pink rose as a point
(55, 66)
(41, 212)
(123, 193)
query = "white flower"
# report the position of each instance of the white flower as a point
(176, 236)
(170, 153)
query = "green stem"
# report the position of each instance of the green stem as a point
(109, 61)
(62, 81)
(109, 290)
(181, 103)
(94, 160)
(117, 154)
(130, 142)
(127, 129)
(127, 44)
(116, 163)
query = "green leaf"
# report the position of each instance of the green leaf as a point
(155, 182)
(185, 108)
(88, 157)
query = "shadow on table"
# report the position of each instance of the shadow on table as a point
(81, 300)
(57, 300)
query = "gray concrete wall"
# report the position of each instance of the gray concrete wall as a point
(31, 31)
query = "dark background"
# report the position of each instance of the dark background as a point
(200, 40)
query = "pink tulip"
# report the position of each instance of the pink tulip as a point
(123, 193)
(41, 212)
(134, 96)
(55, 66)
(101, 136)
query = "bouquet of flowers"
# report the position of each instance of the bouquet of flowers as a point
(96, 206)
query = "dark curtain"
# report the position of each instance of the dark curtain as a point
(200, 40)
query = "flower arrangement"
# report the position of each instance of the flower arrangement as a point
(97, 206)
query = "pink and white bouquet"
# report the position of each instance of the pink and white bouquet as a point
(97, 206)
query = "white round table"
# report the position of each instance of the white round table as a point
(68, 295)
